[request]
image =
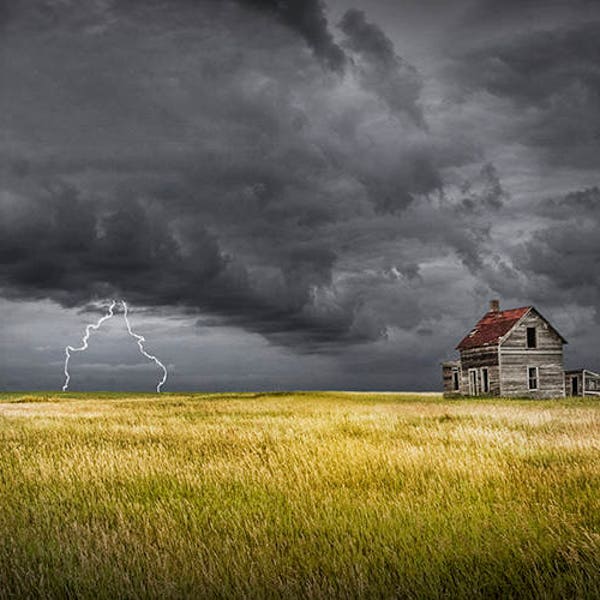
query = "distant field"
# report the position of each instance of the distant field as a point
(307, 495)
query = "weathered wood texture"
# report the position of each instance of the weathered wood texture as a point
(547, 356)
(514, 374)
(478, 358)
(578, 377)
(493, 380)
(448, 369)
(592, 383)
(547, 338)
(588, 383)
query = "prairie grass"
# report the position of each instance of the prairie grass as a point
(306, 495)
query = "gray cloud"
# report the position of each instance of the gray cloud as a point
(199, 160)
(566, 252)
(533, 67)
(552, 79)
(72, 251)
(307, 17)
(237, 199)
(395, 81)
(483, 192)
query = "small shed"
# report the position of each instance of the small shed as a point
(451, 375)
(582, 382)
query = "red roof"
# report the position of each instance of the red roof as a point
(491, 327)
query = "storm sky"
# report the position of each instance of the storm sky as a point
(292, 195)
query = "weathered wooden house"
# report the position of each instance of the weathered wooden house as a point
(514, 352)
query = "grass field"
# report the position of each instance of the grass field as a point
(308, 495)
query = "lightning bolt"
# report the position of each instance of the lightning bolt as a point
(140, 342)
(140, 339)
(84, 345)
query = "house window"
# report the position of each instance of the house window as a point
(455, 381)
(485, 380)
(531, 337)
(533, 378)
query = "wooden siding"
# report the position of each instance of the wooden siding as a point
(547, 338)
(547, 356)
(514, 374)
(447, 371)
(478, 358)
(588, 383)
(569, 376)
(591, 383)
(493, 379)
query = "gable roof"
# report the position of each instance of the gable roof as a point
(492, 326)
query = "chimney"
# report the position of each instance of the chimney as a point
(495, 306)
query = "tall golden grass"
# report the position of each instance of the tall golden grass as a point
(307, 495)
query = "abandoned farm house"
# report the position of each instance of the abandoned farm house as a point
(515, 352)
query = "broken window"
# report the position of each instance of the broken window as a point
(531, 337)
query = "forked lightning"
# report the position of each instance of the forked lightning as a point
(140, 339)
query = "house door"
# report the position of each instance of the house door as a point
(473, 387)
(574, 386)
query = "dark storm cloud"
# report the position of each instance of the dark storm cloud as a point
(396, 82)
(552, 79)
(307, 17)
(483, 192)
(58, 246)
(566, 252)
(583, 204)
(526, 13)
(533, 67)
(196, 157)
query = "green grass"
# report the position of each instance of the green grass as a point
(307, 495)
